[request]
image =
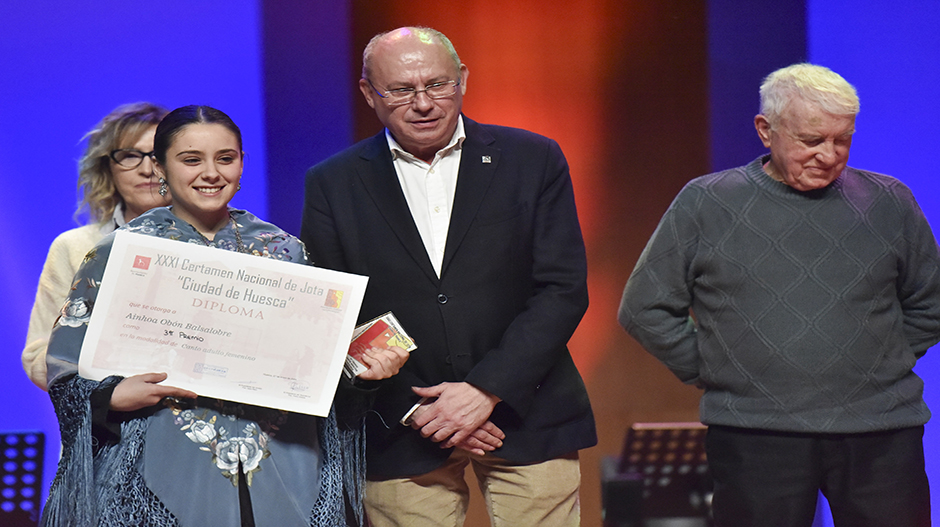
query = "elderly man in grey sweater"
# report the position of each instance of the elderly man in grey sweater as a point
(798, 293)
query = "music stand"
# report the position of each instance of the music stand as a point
(21, 478)
(665, 464)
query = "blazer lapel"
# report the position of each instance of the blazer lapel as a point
(378, 177)
(478, 163)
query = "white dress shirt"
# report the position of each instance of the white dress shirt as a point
(429, 190)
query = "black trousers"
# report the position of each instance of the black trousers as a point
(767, 479)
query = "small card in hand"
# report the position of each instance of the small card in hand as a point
(382, 332)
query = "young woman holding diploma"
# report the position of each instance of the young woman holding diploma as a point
(136, 452)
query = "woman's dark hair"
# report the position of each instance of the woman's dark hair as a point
(180, 118)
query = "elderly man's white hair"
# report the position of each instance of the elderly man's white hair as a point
(814, 84)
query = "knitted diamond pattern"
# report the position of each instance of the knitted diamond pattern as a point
(808, 309)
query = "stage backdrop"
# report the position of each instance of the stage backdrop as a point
(641, 96)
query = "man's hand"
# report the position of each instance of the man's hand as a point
(485, 439)
(383, 363)
(460, 410)
(141, 391)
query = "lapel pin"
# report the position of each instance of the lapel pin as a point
(486, 159)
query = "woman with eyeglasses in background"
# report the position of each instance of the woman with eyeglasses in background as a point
(117, 182)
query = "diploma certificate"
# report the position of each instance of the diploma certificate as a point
(223, 324)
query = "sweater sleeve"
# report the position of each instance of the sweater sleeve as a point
(656, 303)
(53, 288)
(62, 261)
(918, 282)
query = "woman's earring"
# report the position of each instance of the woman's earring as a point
(163, 188)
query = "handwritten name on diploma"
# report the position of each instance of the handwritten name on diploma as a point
(228, 325)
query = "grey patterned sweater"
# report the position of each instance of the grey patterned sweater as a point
(808, 309)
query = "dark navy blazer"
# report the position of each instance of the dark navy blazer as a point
(512, 289)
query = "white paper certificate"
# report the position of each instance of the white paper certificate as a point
(222, 324)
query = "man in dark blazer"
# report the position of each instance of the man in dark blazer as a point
(469, 235)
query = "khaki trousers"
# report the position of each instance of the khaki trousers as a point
(543, 494)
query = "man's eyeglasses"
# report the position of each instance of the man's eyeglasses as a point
(400, 96)
(129, 157)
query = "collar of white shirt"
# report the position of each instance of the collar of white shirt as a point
(429, 190)
(456, 143)
(117, 220)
